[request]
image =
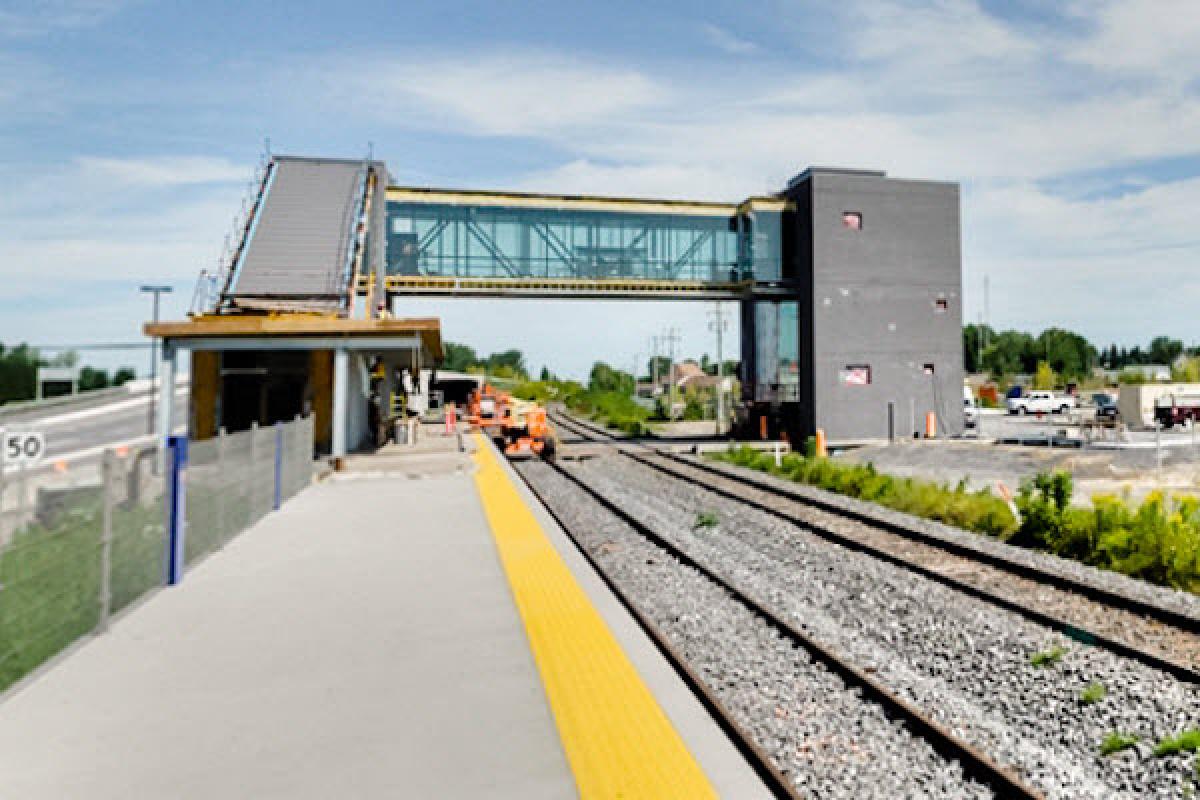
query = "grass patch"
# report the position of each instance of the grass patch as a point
(1116, 742)
(1048, 658)
(1092, 693)
(1188, 741)
(1157, 541)
(706, 519)
(977, 511)
(50, 574)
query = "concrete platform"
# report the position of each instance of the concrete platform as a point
(361, 642)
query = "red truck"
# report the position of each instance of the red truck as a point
(1176, 409)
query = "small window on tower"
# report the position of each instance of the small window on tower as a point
(852, 220)
(941, 305)
(927, 369)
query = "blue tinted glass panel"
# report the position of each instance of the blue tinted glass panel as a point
(430, 239)
(777, 351)
(760, 244)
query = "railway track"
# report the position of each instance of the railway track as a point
(1159, 637)
(1156, 650)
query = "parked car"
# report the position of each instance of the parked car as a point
(1041, 402)
(1106, 407)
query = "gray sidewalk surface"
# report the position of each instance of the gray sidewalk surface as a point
(361, 642)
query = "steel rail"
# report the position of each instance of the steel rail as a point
(975, 763)
(1066, 583)
(755, 756)
(1079, 633)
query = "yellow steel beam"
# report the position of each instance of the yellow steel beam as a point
(469, 197)
(417, 283)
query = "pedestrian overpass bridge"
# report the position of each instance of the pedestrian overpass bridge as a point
(320, 232)
(844, 275)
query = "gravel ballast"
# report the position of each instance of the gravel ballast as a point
(1164, 640)
(827, 740)
(965, 662)
(1180, 602)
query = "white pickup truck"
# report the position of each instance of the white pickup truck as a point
(1041, 403)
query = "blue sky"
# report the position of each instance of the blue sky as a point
(128, 131)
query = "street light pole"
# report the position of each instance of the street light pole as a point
(157, 291)
(718, 323)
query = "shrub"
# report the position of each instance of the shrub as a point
(1188, 741)
(978, 511)
(1158, 541)
(1116, 742)
(1092, 693)
(1048, 658)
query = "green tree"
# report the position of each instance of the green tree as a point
(1068, 353)
(18, 373)
(123, 376)
(1044, 377)
(604, 378)
(1164, 350)
(459, 357)
(512, 359)
(1188, 371)
(545, 374)
(1010, 352)
(91, 378)
(975, 339)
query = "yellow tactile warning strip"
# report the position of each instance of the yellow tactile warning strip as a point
(618, 741)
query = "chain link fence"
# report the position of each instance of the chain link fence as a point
(234, 479)
(81, 541)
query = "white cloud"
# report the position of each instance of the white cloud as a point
(501, 94)
(1157, 38)
(23, 18)
(162, 170)
(659, 180)
(943, 90)
(81, 223)
(726, 41)
(944, 33)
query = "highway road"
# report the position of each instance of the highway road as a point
(73, 432)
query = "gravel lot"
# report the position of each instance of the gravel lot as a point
(961, 660)
(825, 737)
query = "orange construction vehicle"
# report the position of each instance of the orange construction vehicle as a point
(517, 426)
(485, 408)
(526, 433)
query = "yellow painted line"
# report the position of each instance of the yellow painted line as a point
(618, 741)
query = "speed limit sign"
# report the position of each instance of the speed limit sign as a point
(24, 447)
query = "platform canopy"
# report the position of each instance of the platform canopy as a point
(302, 332)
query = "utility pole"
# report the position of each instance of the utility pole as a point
(653, 364)
(718, 323)
(671, 337)
(987, 316)
(157, 291)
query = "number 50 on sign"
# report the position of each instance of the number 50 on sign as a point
(23, 448)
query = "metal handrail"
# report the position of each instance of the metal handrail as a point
(349, 238)
(206, 296)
